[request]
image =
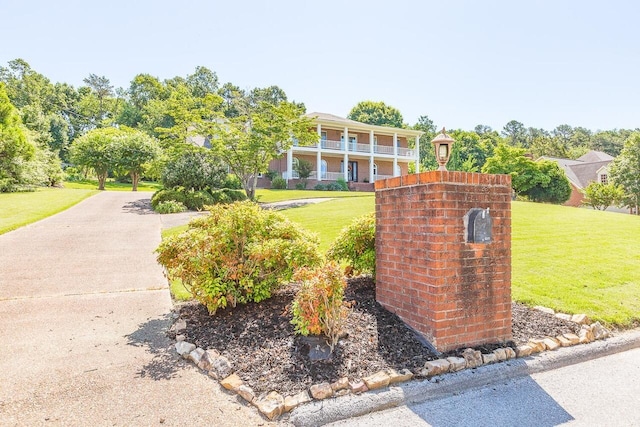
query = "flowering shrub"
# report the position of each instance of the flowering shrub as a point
(356, 244)
(238, 253)
(318, 307)
(169, 207)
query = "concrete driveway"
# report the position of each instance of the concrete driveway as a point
(83, 308)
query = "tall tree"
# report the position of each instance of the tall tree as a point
(515, 133)
(427, 156)
(625, 172)
(97, 150)
(102, 89)
(15, 149)
(134, 152)
(376, 113)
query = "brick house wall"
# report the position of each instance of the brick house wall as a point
(454, 293)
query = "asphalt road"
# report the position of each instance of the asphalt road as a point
(83, 310)
(599, 392)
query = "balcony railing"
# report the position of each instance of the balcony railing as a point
(329, 176)
(327, 144)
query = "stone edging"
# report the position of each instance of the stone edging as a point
(273, 404)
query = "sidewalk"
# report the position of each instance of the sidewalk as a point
(83, 307)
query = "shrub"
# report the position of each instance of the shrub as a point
(318, 307)
(334, 186)
(233, 182)
(343, 184)
(301, 186)
(320, 187)
(196, 200)
(236, 254)
(195, 169)
(356, 244)
(235, 195)
(169, 207)
(165, 195)
(279, 183)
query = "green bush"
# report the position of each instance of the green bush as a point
(356, 244)
(301, 186)
(334, 186)
(237, 254)
(279, 183)
(343, 184)
(233, 182)
(318, 307)
(197, 200)
(320, 187)
(165, 195)
(169, 207)
(194, 169)
(234, 195)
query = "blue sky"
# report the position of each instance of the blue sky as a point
(462, 63)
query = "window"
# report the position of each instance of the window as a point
(323, 136)
(295, 162)
(323, 169)
(604, 179)
(375, 169)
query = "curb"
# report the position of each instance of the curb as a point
(318, 413)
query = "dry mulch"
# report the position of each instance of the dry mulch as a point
(260, 342)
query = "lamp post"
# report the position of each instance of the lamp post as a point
(442, 144)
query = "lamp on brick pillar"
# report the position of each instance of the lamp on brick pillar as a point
(442, 144)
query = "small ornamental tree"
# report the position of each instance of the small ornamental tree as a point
(96, 150)
(304, 169)
(135, 150)
(318, 307)
(356, 244)
(194, 169)
(600, 196)
(237, 254)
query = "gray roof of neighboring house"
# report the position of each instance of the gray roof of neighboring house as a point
(583, 170)
(199, 140)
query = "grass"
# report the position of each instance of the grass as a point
(20, 209)
(270, 196)
(89, 184)
(577, 261)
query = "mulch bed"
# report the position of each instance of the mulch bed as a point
(260, 342)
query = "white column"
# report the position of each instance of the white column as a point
(289, 164)
(346, 166)
(395, 155)
(371, 159)
(417, 154)
(346, 139)
(319, 154)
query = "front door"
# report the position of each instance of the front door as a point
(352, 171)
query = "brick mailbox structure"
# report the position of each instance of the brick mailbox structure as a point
(443, 260)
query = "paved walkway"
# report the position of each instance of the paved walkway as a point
(83, 307)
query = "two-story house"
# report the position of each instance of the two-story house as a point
(357, 152)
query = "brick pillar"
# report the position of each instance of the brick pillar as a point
(456, 294)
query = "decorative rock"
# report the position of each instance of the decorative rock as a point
(271, 406)
(291, 402)
(573, 338)
(551, 344)
(179, 326)
(544, 309)
(321, 391)
(378, 380)
(489, 358)
(537, 345)
(398, 377)
(341, 384)
(342, 392)
(524, 350)
(246, 393)
(564, 316)
(436, 367)
(564, 342)
(221, 367)
(511, 354)
(184, 348)
(207, 359)
(473, 357)
(580, 318)
(500, 354)
(232, 382)
(599, 331)
(358, 386)
(456, 363)
(586, 336)
(181, 337)
(196, 355)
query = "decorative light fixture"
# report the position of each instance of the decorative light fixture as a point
(442, 144)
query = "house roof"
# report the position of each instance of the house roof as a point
(585, 169)
(337, 121)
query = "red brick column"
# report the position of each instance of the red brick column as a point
(454, 293)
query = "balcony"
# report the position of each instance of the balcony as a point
(353, 147)
(329, 176)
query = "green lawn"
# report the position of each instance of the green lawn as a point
(89, 184)
(269, 196)
(19, 209)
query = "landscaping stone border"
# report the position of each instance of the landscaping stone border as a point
(272, 405)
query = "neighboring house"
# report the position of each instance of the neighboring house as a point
(593, 166)
(367, 154)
